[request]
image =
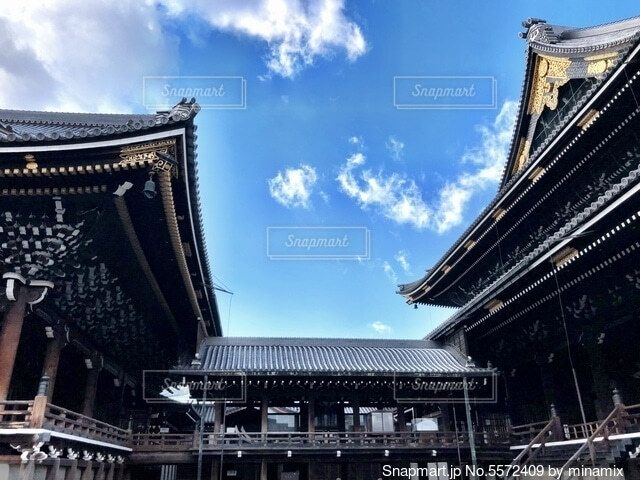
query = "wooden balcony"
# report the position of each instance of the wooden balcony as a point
(38, 414)
(309, 441)
(60, 419)
(629, 422)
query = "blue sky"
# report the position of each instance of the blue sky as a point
(320, 142)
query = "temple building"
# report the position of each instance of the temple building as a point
(106, 288)
(112, 360)
(546, 279)
(104, 274)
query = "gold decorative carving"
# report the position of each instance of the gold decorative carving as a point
(145, 152)
(523, 155)
(549, 75)
(598, 64)
(32, 164)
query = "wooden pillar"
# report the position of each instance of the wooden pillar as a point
(100, 472)
(52, 360)
(91, 387)
(119, 471)
(215, 471)
(263, 470)
(111, 467)
(445, 417)
(217, 417)
(546, 377)
(88, 471)
(401, 418)
(53, 471)
(601, 380)
(9, 340)
(340, 412)
(19, 292)
(355, 405)
(264, 415)
(28, 470)
(73, 473)
(311, 415)
(556, 431)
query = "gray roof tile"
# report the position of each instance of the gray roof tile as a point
(17, 126)
(346, 356)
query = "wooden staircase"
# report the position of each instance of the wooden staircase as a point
(605, 443)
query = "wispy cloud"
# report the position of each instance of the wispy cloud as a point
(380, 327)
(390, 272)
(486, 161)
(402, 258)
(295, 31)
(395, 196)
(399, 198)
(395, 148)
(293, 187)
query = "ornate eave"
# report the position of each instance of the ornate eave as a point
(546, 73)
(101, 175)
(558, 251)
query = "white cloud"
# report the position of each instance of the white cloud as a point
(78, 55)
(402, 258)
(400, 199)
(489, 158)
(81, 56)
(395, 147)
(395, 196)
(293, 187)
(380, 327)
(296, 31)
(390, 272)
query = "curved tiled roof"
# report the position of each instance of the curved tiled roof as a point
(346, 356)
(18, 126)
(556, 39)
(623, 32)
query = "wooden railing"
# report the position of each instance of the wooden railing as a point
(536, 445)
(62, 420)
(311, 440)
(622, 419)
(16, 414)
(524, 433)
(162, 442)
(38, 413)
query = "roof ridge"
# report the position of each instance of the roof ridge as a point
(606, 24)
(47, 126)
